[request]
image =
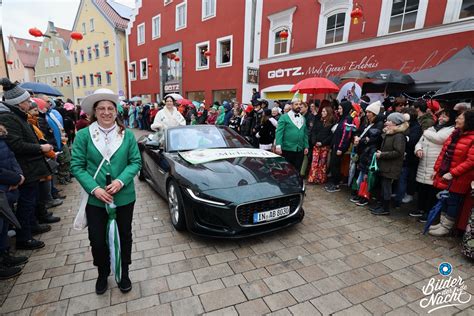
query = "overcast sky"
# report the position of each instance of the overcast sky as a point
(20, 15)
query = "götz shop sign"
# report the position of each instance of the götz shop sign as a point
(367, 63)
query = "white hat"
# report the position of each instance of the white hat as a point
(374, 107)
(98, 95)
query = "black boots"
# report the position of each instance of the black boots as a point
(125, 284)
(101, 284)
(8, 265)
(383, 210)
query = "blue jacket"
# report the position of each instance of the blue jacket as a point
(56, 129)
(10, 170)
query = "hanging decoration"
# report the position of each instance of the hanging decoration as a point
(284, 34)
(150, 66)
(76, 36)
(10, 62)
(207, 53)
(35, 32)
(176, 59)
(171, 55)
(130, 70)
(357, 14)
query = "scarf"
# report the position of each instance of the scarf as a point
(449, 154)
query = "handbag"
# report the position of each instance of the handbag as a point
(372, 175)
(80, 221)
(364, 189)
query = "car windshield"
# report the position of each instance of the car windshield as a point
(202, 137)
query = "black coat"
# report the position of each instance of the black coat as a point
(320, 133)
(369, 143)
(414, 134)
(246, 126)
(267, 133)
(23, 142)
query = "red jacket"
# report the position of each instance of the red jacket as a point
(462, 165)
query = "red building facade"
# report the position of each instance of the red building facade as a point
(323, 41)
(202, 49)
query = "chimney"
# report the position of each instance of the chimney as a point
(51, 27)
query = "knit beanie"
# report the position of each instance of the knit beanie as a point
(13, 93)
(374, 107)
(397, 118)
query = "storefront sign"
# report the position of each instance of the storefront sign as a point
(252, 75)
(171, 87)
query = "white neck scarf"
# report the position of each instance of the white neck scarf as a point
(106, 140)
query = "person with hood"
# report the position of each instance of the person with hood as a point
(228, 112)
(29, 154)
(427, 150)
(212, 116)
(11, 177)
(390, 159)
(340, 144)
(201, 114)
(169, 116)
(321, 136)
(454, 171)
(406, 183)
(266, 131)
(367, 143)
(291, 140)
(220, 115)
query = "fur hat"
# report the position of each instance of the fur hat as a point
(374, 107)
(13, 93)
(397, 118)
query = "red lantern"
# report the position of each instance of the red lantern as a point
(35, 32)
(10, 62)
(172, 56)
(76, 36)
(109, 72)
(150, 66)
(96, 75)
(176, 59)
(284, 34)
(130, 70)
(356, 14)
(207, 53)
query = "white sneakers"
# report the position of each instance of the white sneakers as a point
(407, 199)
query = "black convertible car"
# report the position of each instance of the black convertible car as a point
(214, 188)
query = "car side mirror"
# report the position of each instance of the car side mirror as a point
(154, 143)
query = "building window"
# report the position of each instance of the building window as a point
(82, 55)
(91, 25)
(99, 78)
(108, 77)
(156, 26)
(334, 22)
(96, 49)
(281, 44)
(196, 95)
(75, 57)
(51, 61)
(91, 77)
(78, 82)
(144, 68)
(89, 53)
(56, 61)
(224, 51)
(68, 80)
(221, 95)
(61, 81)
(46, 62)
(181, 16)
(133, 73)
(279, 22)
(166, 2)
(106, 48)
(84, 80)
(141, 34)
(202, 61)
(50, 45)
(401, 15)
(208, 9)
(84, 28)
(458, 10)
(335, 28)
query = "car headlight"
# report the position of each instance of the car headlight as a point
(304, 186)
(197, 198)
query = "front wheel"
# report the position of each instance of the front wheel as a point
(175, 204)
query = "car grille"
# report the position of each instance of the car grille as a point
(245, 212)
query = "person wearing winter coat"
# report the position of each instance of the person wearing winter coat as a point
(234, 122)
(427, 150)
(246, 123)
(228, 112)
(212, 116)
(266, 131)
(454, 171)
(29, 154)
(390, 159)
(406, 183)
(321, 136)
(201, 114)
(341, 141)
(424, 117)
(366, 144)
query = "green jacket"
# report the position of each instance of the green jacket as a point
(289, 137)
(124, 165)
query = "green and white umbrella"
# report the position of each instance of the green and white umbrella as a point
(113, 240)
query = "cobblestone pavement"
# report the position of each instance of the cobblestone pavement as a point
(339, 260)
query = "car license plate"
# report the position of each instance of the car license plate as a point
(271, 215)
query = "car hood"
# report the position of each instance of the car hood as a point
(236, 172)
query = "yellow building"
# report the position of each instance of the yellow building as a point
(99, 59)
